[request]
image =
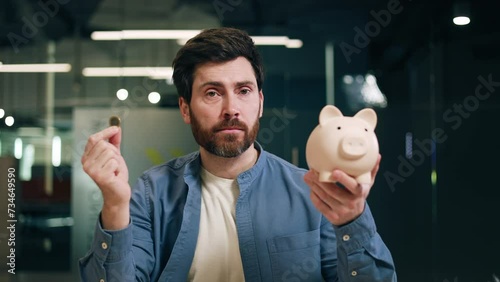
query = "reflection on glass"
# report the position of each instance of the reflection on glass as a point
(18, 148)
(362, 91)
(56, 151)
(27, 162)
(9, 121)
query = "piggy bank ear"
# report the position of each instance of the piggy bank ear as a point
(369, 116)
(327, 113)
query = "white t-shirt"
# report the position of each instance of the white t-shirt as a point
(217, 255)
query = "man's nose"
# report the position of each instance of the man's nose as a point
(231, 107)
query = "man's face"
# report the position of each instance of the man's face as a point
(225, 107)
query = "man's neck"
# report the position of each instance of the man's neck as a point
(229, 167)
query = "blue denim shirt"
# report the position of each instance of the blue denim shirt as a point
(282, 236)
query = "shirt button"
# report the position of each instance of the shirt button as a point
(354, 273)
(105, 247)
(346, 237)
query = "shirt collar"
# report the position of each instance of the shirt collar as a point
(193, 167)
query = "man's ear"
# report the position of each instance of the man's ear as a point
(261, 98)
(184, 107)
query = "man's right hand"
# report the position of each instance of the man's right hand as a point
(103, 162)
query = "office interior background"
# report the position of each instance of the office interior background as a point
(430, 69)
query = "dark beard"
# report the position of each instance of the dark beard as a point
(226, 146)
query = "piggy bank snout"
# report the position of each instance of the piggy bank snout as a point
(353, 147)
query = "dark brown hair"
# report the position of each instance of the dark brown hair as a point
(214, 45)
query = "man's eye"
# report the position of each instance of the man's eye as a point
(245, 91)
(211, 94)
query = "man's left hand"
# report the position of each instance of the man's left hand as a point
(340, 205)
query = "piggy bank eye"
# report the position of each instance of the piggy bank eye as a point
(338, 128)
(366, 130)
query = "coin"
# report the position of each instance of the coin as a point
(114, 121)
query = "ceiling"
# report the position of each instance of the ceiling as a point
(323, 18)
(70, 22)
(334, 19)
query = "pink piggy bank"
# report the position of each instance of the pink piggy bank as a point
(345, 143)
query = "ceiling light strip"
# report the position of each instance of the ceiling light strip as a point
(183, 35)
(35, 68)
(165, 72)
(144, 34)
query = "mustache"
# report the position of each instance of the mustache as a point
(232, 123)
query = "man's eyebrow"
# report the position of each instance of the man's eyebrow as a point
(245, 82)
(219, 84)
(211, 83)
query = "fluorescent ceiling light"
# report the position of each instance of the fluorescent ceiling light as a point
(161, 77)
(294, 43)
(270, 40)
(35, 68)
(461, 20)
(267, 41)
(461, 12)
(182, 36)
(153, 72)
(277, 40)
(144, 34)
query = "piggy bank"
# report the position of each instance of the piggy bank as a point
(345, 143)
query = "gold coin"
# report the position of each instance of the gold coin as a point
(114, 121)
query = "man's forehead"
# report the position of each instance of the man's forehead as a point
(225, 72)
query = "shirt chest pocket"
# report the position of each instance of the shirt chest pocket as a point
(296, 257)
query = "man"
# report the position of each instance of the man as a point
(232, 211)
